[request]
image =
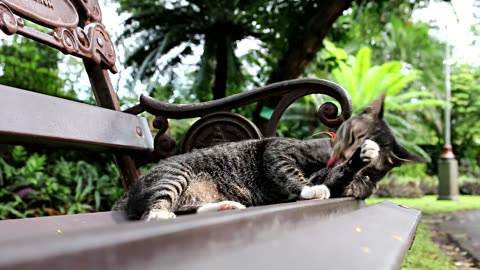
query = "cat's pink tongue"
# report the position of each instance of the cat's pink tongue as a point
(331, 162)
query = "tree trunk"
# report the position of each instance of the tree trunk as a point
(301, 50)
(220, 84)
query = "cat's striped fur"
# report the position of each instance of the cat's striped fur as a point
(271, 170)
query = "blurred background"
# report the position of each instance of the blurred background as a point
(191, 51)
(423, 53)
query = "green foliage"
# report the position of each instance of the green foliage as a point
(168, 31)
(365, 82)
(38, 185)
(300, 120)
(465, 81)
(32, 66)
(365, 21)
(424, 254)
(414, 170)
(387, 28)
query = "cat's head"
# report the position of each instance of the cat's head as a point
(369, 124)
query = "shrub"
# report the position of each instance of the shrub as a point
(412, 170)
(470, 188)
(400, 190)
(41, 184)
(409, 187)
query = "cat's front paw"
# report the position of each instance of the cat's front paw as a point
(370, 151)
(315, 192)
(157, 214)
(220, 206)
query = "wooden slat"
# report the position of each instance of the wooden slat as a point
(55, 226)
(328, 234)
(28, 117)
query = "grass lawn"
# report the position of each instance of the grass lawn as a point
(424, 254)
(430, 205)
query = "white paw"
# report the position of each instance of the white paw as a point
(315, 192)
(370, 151)
(220, 206)
(155, 214)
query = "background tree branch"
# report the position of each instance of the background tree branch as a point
(302, 48)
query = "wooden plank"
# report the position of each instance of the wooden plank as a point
(14, 229)
(329, 234)
(28, 117)
(55, 226)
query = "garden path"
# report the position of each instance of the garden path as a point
(464, 229)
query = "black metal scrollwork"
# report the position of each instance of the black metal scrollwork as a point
(218, 128)
(212, 127)
(93, 42)
(91, 9)
(164, 143)
(8, 22)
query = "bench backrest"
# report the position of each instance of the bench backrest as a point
(73, 27)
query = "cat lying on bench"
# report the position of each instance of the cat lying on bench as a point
(271, 170)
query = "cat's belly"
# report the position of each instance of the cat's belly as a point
(204, 191)
(208, 192)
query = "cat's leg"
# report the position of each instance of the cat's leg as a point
(338, 177)
(158, 214)
(315, 192)
(155, 199)
(204, 207)
(361, 187)
(316, 188)
(153, 214)
(121, 203)
(370, 150)
(220, 206)
(367, 152)
(290, 177)
(346, 179)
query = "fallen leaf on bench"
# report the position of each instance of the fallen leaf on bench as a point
(365, 249)
(396, 237)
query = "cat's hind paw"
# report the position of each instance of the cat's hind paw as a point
(220, 206)
(156, 214)
(370, 151)
(315, 192)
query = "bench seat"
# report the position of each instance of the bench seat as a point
(321, 234)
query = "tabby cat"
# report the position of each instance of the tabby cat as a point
(271, 170)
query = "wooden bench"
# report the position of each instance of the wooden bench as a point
(332, 234)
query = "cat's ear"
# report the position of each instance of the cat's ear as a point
(403, 155)
(376, 108)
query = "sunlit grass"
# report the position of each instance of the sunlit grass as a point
(424, 254)
(430, 205)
